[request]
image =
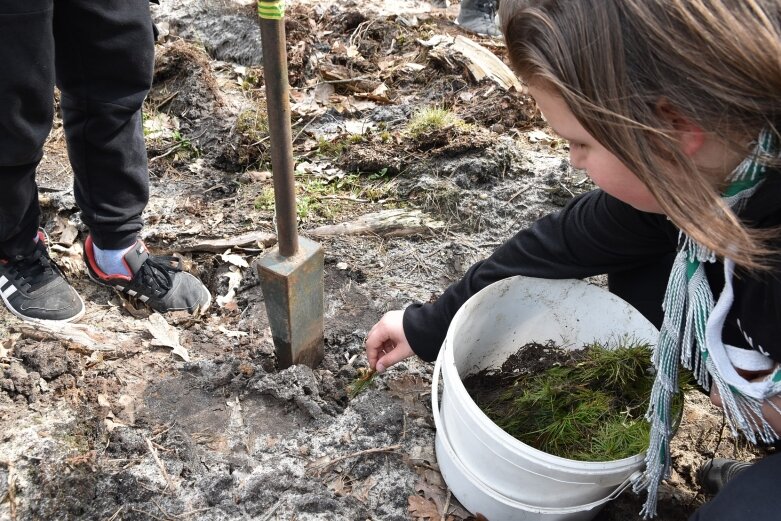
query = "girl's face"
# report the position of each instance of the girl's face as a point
(587, 154)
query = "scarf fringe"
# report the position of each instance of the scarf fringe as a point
(688, 303)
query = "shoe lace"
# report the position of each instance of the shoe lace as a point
(35, 270)
(157, 273)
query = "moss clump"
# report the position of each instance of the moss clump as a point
(590, 408)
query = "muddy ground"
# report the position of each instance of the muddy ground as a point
(104, 421)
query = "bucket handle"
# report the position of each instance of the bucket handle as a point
(438, 424)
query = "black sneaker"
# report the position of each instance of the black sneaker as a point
(715, 473)
(158, 281)
(33, 288)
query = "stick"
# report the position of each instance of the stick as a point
(147, 513)
(304, 128)
(112, 518)
(170, 151)
(166, 100)
(153, 451)
(12, 490)
(72, 333)
(447, 505)
(345, 80)
(272, 510)
(519, 192)
(184, 514)
(389, 448)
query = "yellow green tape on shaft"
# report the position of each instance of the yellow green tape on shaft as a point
(271, 10)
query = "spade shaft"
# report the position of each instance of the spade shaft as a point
(291, 274)
(272, 34)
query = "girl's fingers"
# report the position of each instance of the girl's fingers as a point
(399, 353)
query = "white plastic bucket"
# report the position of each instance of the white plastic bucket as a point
(488, 470)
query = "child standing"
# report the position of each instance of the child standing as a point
(673, 108)
(101, 56)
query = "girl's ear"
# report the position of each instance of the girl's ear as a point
(690, 136)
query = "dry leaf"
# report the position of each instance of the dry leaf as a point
(323, 92)
(232, 258)
(422, 509)
(340, 486)
(166, 336)
(361, 492)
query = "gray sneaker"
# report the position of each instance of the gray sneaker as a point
(479, 16)
(34, 289)
(158, 281)
(715, 473)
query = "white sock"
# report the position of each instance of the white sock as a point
(112, 262)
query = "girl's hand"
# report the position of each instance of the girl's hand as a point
(770, 412)
(387, 344)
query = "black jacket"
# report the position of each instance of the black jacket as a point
(597, 234)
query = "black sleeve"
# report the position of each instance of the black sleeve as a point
(594, 234)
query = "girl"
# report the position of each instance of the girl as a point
(673, 108)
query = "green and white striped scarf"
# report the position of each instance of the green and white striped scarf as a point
(691, 333)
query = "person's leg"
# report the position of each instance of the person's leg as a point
(26, 111)
(104, 63)
(644, 287)
(31, 286)
(752, 494)
(479, 16)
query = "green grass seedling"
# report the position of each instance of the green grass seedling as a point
(589, 409)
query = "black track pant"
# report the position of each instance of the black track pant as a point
(101, 54)
(752, 494)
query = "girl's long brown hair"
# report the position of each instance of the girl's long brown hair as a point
(717, 63)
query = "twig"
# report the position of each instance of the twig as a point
(447, 506)
(134, 509)
(168, 428)
(11, 490)
(170, 151)
(261, 140)
(272, 510)
(166, 100)
(161, 509)
(345, 198)
(112, 518)
(389, 448)
(153, 451)
(567, 189)
(304, 128)
(519, 192)
(346, 80)
(183, 514)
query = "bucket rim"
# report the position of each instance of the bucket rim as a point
(509, 442)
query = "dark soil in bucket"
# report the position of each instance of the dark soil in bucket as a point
(585, 404)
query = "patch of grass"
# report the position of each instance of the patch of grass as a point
(265, 201)
(320, 197)
(252, 124)
(186, 149)
(432, 119)
(337, 146)
(591, 410)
